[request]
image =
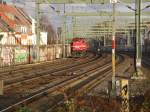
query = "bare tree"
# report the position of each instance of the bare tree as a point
(45, 25)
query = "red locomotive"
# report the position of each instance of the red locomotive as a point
(79, 47)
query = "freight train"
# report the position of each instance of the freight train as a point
(79, 47)
(95, 46)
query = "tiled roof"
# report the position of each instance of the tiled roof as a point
(7, 20)
(19, 18)
(24, 14)
(4, 26)
(11, 16)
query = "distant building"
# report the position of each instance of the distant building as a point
(16, 27)
(13, 23)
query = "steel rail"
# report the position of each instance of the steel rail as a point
(45, 72)
(80, 82)
(85, 87)
(36, 70)
(41, 77)
(47, 90)
(12, 71)
(19, 68)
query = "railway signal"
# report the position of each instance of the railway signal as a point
(113, 47)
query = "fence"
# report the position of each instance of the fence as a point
(25, 54)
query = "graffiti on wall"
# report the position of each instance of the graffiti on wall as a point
(10, 55)
(6, 55)
(43, 54)
(21, 55)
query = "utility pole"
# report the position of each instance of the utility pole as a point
(113, 49)
(37, 16)
(73, 26)
(105, 35)
(64, 33)
(138, 71)
(1, 81)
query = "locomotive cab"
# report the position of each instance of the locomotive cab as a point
(78, 47)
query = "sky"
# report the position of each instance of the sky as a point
(55, 19)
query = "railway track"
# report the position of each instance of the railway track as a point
(18, 71)
(146, 62)
(23, 67)
(86, 86)
(46, 72)
(29, 79)
(37, 80)
(76, 82)
(20, 75)
(14, 68)
(145, 59)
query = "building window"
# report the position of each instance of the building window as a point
(23, 29)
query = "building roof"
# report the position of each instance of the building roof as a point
(18, 16)
(10, 17)
(4, 26)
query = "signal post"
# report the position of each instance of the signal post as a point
(113, 47)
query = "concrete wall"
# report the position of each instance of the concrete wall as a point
(13, 55)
